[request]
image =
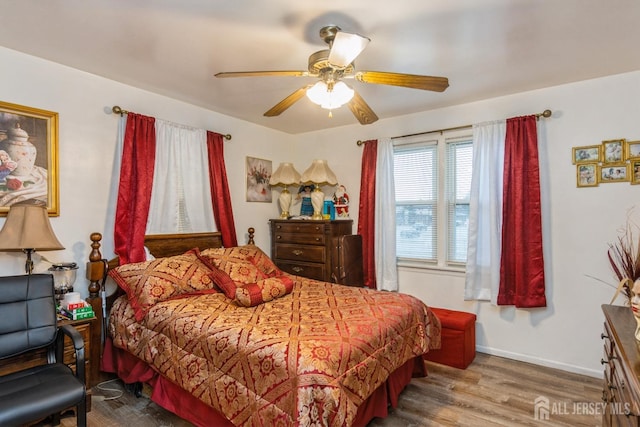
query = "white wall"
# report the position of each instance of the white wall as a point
(87, 134)
(580, 221)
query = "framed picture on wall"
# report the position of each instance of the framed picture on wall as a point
(635, 171)
(613, 151)
(28, 157)
(633, 149)
(258, 175)
(586, 154)
(618, 172)
(587, 175)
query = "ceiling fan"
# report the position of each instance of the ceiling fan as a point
(333, 65)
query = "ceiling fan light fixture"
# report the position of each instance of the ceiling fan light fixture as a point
(345, 48)
(330, 99)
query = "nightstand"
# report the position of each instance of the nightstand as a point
(303, 247)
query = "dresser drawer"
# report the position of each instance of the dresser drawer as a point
(315, 239)
(312, 271)
(304, 253)
(299, 227)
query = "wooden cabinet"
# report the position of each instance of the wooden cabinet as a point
(303, 247)
(621, 360)
(90, 331)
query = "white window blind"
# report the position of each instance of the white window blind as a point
(416, 188)
(458, 179)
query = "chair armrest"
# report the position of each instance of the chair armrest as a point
(78, 345)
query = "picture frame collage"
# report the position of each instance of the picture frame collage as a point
(614, 160)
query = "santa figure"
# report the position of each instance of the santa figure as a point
(341, 202)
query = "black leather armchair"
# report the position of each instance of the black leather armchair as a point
(28, 321)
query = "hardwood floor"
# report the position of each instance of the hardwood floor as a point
(492, 391)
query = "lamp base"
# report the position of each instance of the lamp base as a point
(285, 203)
(317, 201)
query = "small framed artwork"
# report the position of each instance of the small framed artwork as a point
(258, 176)
(635, 171)
(618, 172)
(613, 150)
(587, 174)
(587, 154)
(633, 149)
(28, 157)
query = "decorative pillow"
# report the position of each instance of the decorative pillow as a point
(252, 294)
(149, 282)
(237, 262)
(220, 257)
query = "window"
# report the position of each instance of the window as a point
(432, 185)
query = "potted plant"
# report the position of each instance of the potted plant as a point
(624, 257)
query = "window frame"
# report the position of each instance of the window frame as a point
(441, 139)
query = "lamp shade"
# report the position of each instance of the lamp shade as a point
(28, 227)
(319, 173)
(285, 175)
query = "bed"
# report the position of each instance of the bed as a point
(281, 350)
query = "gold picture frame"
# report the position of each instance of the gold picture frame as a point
(635, 172)
(258, 173)
(587, 154)
(28, 157)
(633, 150)
(587, 175)
(614, 172)
(613, 151)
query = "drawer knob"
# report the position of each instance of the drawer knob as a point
(603, 362)
(278, 237)
(297, 252)
(318, 239)
(297, 269)
(612, 387)
(603, 336)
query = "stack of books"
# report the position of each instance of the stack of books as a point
(77, 311)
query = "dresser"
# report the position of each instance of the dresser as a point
(621, 360)
(303, 247)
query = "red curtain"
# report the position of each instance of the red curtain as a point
(134, 191)
(522, 265)
(366, 214)
(220, 196)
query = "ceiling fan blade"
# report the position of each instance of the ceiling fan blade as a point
(265, 73)
(345, 48)
(281, 106)
(436, 84)
(361, 110)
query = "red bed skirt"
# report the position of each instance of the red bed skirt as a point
(173, 398)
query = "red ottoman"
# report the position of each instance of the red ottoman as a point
(458, 338)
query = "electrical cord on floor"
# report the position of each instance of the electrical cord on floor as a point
(101, 387)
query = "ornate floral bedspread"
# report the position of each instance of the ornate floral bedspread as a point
(309, 358)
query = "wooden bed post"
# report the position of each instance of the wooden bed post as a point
(251, 230)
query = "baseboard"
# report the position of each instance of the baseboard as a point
(541, 362)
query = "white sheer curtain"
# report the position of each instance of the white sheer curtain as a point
(485, 212)
(181, 195)
(385, 219)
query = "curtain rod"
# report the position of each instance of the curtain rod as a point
(545, 114)
(117, 110)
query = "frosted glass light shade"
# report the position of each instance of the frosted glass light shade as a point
(345, 48)
(330, 99)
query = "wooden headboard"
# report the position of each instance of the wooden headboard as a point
(160, 245)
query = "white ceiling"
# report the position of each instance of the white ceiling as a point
(486, 48)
